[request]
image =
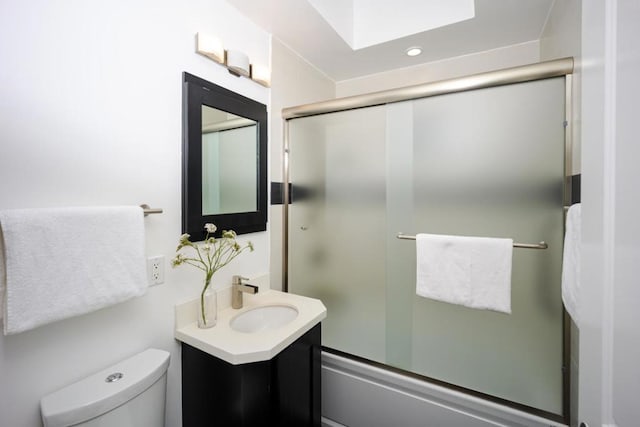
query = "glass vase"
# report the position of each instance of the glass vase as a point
(207, 308)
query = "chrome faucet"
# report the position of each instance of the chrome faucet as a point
(237, 288)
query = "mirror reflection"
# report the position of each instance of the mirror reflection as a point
(229, 162)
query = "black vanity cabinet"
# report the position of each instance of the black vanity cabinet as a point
(283, 391)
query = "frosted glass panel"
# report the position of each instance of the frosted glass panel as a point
(337, 222)
(491, 163)
(487, 162)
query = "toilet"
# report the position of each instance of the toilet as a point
(130, 393)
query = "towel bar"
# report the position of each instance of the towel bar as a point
(541, 245)
(148, 210)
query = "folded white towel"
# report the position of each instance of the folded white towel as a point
(471, 271)
(571, 262)
(63, 262)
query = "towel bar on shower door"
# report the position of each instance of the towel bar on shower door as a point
(541, 245)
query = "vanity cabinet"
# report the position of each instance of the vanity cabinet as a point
(283, 391)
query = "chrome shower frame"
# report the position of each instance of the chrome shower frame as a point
(521, 74)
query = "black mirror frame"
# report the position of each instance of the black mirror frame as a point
(195, 93)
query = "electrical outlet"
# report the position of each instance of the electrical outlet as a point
(155, 269)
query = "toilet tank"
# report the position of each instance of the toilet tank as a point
(130, 393)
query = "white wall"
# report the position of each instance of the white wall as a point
(595, 186)
(90, 114)
(293, 82)
(626, 292)
(510, 56)
(609, 341)
(561, 36)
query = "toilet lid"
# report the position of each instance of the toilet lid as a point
(105, 390)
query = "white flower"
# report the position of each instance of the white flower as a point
(229, 234)
(212, 254)
(179, 259)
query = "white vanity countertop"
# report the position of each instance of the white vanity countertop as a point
(245, 347)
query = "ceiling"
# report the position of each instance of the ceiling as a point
(297, 24)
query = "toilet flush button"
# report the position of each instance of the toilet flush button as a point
(114, 377)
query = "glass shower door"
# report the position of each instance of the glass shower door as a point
(337, 222)
(490, 163)
(487, 162)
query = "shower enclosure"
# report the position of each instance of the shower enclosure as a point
(487, 155)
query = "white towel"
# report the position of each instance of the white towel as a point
(471, 271)
(571, 262)
(63, 262)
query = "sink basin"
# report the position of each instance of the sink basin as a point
(263, 318)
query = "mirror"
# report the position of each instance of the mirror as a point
(224, 177)
(228, 187)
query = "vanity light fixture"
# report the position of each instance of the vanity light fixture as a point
(235, 61)
(211, 47)
(238, 63)
(414, 51)
(260, 74)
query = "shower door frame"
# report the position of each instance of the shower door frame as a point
(527, 73)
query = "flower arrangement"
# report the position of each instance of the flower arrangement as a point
(210, 256)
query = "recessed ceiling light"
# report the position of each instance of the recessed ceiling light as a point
(414, 51)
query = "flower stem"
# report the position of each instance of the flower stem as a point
(204, 317)
(207, 282)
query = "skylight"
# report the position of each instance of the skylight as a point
(364, 23)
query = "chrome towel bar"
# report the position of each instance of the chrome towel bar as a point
(148, 210)
(541, 245)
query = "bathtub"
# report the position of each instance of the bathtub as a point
(355, 394)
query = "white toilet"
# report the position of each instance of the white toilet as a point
(130, 393)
